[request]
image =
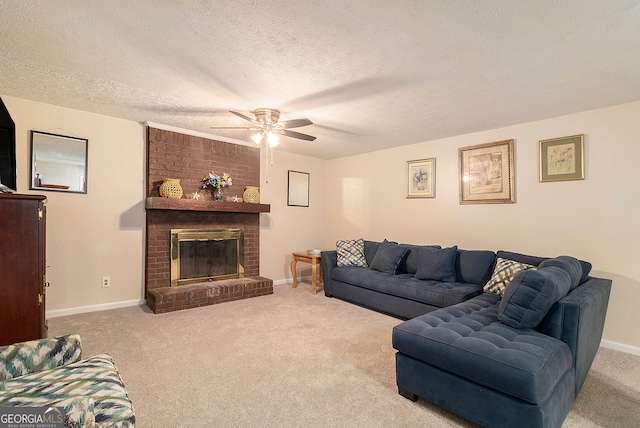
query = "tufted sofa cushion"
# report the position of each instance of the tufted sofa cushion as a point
(569, 264)
(530, 295)
(466, 339)
(536, 260)
(435, 293)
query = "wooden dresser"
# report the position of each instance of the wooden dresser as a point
(22, 268)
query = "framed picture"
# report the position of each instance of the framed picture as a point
(562, 158)
(421, 178)
(58, 163)
(486, 173)
(298, 189)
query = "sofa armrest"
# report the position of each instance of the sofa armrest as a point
(37, 355)
(578, 320)
(329, 260)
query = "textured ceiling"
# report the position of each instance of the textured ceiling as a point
(369, 74)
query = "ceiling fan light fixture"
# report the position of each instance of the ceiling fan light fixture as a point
(272, 139)
(257, 138)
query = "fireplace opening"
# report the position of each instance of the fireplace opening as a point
(206, 255)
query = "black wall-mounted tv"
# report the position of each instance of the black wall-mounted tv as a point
(8, 175)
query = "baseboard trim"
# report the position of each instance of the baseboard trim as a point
(620, 347)
(94, 308)
(289, 281)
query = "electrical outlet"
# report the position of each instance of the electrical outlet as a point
(106, 281)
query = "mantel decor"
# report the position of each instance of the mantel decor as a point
(421, 178)
(216, 182)
(171, 188)
(486, 173)
(562, 159)
(251, 195)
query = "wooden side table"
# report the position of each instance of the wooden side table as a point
(315, 268)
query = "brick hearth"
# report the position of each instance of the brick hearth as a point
(190, 158)
(167, 299)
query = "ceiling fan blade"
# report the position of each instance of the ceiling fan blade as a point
(235, 127)
(245, 117)
(295, 123)
(299, 135)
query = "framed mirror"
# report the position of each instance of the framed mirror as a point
(298, 189)
(58, 163)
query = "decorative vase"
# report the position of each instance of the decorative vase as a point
(251, 195)
(171, 188)
(217, 193)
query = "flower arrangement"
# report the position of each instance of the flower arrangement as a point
(216, 181)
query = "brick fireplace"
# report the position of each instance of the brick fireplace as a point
(189, 158)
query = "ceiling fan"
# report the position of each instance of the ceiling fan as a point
(268, 124)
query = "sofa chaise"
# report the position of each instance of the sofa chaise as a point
(513, 350)
(49, 373)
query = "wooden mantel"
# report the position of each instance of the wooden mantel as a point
(154, 203)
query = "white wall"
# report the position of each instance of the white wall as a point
(595, 219)
(289, 229)
(100, 233)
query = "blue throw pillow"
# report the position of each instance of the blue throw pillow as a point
(535, 261)
(570, 265)
(388, 257)
(437, 264)
(474, 266)
(530, 295)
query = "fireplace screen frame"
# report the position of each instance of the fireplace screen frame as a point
(181, 235)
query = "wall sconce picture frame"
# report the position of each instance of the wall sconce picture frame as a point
(298, 189)
(486, 173)
(562, 159)
(58, 163)
(421, 178)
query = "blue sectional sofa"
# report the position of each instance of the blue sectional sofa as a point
(514, 358)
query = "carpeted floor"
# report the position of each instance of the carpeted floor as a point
(296, 360)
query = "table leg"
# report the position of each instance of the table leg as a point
(293, 272)
(313, 276)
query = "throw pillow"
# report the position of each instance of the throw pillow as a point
(351, 253)
(530, 295)
(437, 264)
(474, 266)
(388, 257)
(536, 260)
(569, 264)
(502, 274)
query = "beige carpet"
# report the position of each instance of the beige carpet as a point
(293, 359)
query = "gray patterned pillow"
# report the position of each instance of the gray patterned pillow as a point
(503, 274)
(351, 253)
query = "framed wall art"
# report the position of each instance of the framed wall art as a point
(562, 158)
(421, 178)
(487, 173)
(298, 189)
(58, 163)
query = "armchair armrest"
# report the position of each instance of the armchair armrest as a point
(37, 355)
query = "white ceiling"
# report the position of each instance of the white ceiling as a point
(370, 74)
